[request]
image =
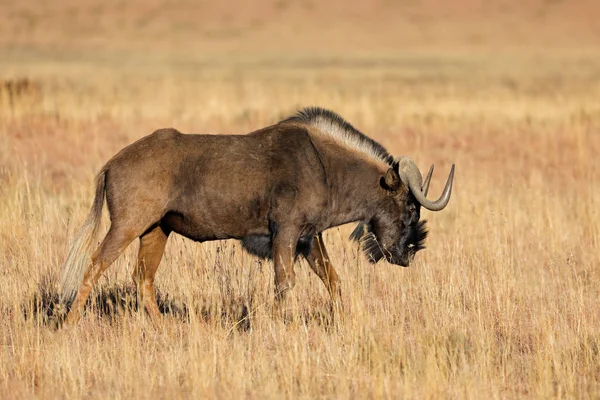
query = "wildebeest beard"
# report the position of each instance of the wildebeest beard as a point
(373, 250)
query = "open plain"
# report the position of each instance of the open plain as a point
(503, 303)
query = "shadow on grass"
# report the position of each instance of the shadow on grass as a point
(113, 301)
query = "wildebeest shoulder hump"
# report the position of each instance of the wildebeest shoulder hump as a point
(166, 133)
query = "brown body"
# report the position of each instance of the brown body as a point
(282, 185)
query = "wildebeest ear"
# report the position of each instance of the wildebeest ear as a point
(391, 180)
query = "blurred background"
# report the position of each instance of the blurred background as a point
(120, 69)
(208, 31)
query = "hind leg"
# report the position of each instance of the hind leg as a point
(152, 247)
(115, 242)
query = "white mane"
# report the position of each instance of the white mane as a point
(334, 126)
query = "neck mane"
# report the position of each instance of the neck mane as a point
(336, 128)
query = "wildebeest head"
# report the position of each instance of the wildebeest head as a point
(395, 231)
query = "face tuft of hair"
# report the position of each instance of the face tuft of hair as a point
(419, 236)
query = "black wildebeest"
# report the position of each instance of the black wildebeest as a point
(276, 189)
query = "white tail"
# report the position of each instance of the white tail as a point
(78, 259)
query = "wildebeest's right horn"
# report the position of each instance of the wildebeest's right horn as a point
(411, 176)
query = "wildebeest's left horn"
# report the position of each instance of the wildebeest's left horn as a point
(425, 186)
(411, 176)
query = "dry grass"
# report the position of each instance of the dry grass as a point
(502, 304)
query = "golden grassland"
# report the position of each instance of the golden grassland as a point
(502, 304)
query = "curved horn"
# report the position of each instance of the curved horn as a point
(411, 177)
(425, 186)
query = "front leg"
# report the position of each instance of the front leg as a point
(319, 262)
(284, 248)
